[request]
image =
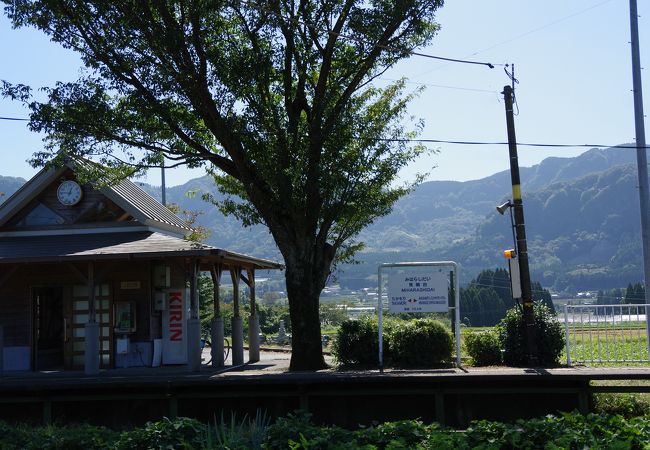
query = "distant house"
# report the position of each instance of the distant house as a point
(102, 278)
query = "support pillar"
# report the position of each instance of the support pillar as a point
(253, 321)
(216, 331)
(217, 343)
(91, 353)
(193, 323)
(237, 342)
(2, 349)
(253, 338)
(91, 331)
(237, 329)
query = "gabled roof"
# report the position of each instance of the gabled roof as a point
(118, 246)
(134, 200)
(127, 195)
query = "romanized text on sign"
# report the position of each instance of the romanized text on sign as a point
(418, 292)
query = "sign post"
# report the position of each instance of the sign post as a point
(424, 288)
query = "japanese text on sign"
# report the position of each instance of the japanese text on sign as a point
(418, 292)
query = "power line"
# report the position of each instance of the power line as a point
(384, 47)
(519, 36)
(526, 144)
(541, 27)
(409, 52)
(14, 119)
(444, 141)
(442, 86)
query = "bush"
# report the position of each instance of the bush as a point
(238, 433)
(406, 343)
(69, 437)
(626, 405)
(484, 348)
(420, 343)
(357, 342)
(402, 434)
(548, 335)
(298, 428)
(569, 430)
(182, 432)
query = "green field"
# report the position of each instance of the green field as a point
(605, 345)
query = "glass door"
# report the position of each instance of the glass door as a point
(47, 307)
(77, 317)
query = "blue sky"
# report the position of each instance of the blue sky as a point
(572, 60)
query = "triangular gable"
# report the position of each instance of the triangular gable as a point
(125, 203)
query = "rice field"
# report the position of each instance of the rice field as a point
(607, 345)
(605, 335)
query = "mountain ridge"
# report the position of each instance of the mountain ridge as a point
(581, 214)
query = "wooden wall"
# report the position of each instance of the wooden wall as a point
(16, 296)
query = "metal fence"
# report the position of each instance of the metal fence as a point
(606, 334)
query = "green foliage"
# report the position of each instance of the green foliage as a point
(269, 314)
(542, 295)
(486, 299)
(70, 437)
(566, 431)
(403, 434)
(331, 314)
(270, 317)
(357, 342)
(626, 405)
(548, 334)
(420, 343)
(293, 130)
(406, 343)
(168, 433)
(635, 293)
(238, 434)
(296, 431)
(483, 347)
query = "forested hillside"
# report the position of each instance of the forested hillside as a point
(582, 223)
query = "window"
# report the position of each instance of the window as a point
(40, 215)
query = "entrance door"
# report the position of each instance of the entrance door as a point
(48, 326)
(77, 311)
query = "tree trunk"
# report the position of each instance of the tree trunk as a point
(303, 289)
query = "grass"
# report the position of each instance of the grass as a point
(608, 346)
(625, 404)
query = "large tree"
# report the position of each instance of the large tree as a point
(278, 98)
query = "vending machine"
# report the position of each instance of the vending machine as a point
(174, 326)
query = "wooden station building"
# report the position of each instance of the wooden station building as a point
(96, 278)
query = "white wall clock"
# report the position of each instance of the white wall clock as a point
(69, 193)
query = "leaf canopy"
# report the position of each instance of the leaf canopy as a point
(278, 98)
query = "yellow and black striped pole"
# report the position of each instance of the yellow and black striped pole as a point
(520, 231)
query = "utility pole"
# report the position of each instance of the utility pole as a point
(520, 230)
(641, 156)
(163, 186)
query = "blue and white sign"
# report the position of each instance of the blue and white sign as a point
(418, 292)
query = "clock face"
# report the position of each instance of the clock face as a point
(69, 193)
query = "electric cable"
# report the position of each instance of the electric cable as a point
(455, 142)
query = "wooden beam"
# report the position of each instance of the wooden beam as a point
(8, 274)
(107, 268)
(194, 289)
(215, 273)
(91, 292)
(82, 276)
(235, 275)
(251, 289)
